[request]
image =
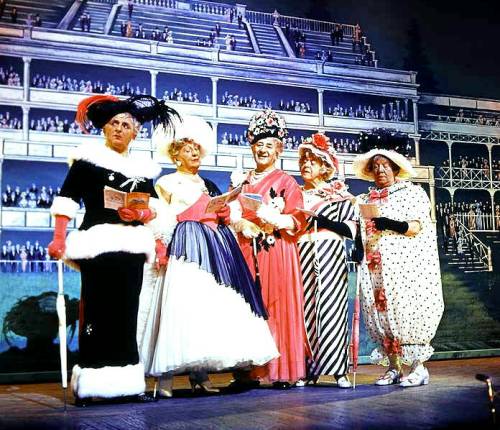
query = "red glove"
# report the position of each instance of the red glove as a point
(58, 245)
(142, 215)
(224, 214)
(161, 254)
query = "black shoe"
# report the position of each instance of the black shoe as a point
(146, 398)
(243, 384)
(282, 385)
(82, 402)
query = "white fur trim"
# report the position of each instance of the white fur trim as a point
(163, 225)
(100, 155)
(108, 381)
(101, 238)
(64, 206)
(361, 161)
(271, 215)
(238, 177)
(236, 211)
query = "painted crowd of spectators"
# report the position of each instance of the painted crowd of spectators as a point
(25, 258)
(396, 110)
(186, 96)
(470, 117)
(31, 197)
(475, 168)
(8, 76)
(66, 83)
(249, 101)
(8, 121)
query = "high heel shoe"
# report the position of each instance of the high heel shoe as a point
(392, 376)
(205, 386)
(166, 392)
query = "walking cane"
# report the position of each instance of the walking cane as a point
(61, 314)
(354, 344)
(256, 263)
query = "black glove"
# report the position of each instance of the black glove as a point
(383, 223)
(337, 227)
(358, 252)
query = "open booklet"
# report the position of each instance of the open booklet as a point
(115, 199)
(216, 203)
(251, 201)
(369, 210)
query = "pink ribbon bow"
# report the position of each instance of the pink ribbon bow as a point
(381, 196)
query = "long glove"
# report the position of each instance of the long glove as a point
(271, 215)
(383, 223)
(57, 247)
(142, 215)
(337, 227)
(224, 215)
(161, 254)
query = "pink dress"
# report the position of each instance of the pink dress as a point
(280, 276)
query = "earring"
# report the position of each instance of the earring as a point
(178, 163)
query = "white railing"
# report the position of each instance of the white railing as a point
(478, 222)
(212, 8)
(490, 122)
(479, 250)
(162, 3)
(293, 21)
(465, 177)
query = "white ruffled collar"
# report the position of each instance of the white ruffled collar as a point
(100, 155)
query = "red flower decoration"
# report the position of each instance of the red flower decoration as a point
(373, 260)
(392, 346)
(380, 299)
(320, 141)
(370, 227)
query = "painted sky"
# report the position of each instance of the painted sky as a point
(462, 39)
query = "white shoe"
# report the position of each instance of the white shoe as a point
(300, 383)
(343, 382)
(419, 376)
(392, 376)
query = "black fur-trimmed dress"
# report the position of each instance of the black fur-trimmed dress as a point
(110, 255)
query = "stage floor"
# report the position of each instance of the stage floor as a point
(453, 399)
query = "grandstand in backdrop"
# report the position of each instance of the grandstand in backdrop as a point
(224, 62)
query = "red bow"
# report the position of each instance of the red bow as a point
(376, 195)
(374, 260)
(392, 346)
(380, 299)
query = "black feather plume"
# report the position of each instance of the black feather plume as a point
(382, 138)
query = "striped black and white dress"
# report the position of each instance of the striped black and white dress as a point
(324, 269)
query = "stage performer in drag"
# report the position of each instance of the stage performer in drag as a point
(204, 313)
(267, 225)
(323, 259)
(111, 245)
(401, 290)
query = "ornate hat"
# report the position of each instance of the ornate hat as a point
(99, 109)
(185, 127)
(387, 143)
(319, 144)
(266, 124)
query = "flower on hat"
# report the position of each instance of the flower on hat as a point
(266, 123)
(321, 141)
